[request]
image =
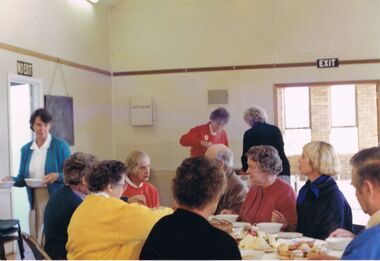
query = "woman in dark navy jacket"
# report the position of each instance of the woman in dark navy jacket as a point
(262, 133)
(321, 206)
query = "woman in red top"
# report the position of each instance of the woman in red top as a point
(269, 196)
(203, 136)
(138, 173)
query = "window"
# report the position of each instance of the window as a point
(296, 119)
(344, 132)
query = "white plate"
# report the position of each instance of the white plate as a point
(35, 183)
(289, 235)
(248, 254)
(240, 224)
(6, 184)
(228, 217)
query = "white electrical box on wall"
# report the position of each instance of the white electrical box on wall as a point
(141, 110)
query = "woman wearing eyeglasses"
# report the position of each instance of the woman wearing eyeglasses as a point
(104, 226)
(269, 195)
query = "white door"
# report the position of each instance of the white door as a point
(24, 96)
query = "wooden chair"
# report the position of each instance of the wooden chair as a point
(38, 252)
(10, 230)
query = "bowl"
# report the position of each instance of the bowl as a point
(270, 227)
(6, 184)
(228, 217)
(338, 243)
(35, 183)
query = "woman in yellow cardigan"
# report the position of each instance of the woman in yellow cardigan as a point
(104, 226)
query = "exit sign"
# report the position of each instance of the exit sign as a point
(328, 63)
(24, 68)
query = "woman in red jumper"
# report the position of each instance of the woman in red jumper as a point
(269, 196)
(138, 173)
(203, 136)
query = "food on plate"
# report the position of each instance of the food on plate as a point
(222, 225)
(317, 249)
(299, 250)
(298, 253)
(298, 244)
(240, 232)
(305, 248)
(261, 241)
(256, 243)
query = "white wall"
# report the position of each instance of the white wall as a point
(163, 34)
(73, 30)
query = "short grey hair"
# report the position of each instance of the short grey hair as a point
(255, 114)
(221, 152)
(267, 159)
(366, 164)
(78, 166)
(220, 114)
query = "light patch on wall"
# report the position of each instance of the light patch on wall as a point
(83, 4)
(217, 97)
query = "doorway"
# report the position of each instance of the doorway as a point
(24, 96)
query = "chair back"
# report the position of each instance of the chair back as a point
(10, 230)
(38, 252)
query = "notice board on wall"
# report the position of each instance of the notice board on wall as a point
(141, 111)
(62, 111)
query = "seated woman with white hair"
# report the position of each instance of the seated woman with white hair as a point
(321, 206)
(138, 173)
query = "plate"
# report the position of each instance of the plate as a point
(35, 183)
(248, 254)
(241, 224)
(289, 235)
(6, 184)
(228, 217)
(290, 258)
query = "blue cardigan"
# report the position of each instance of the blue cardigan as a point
(57, 153)
(322, 208)
(364, 246)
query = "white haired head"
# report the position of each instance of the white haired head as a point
(220, 152)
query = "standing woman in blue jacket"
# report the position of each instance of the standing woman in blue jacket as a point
(43, 159)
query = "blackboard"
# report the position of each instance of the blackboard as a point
(61, 109)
